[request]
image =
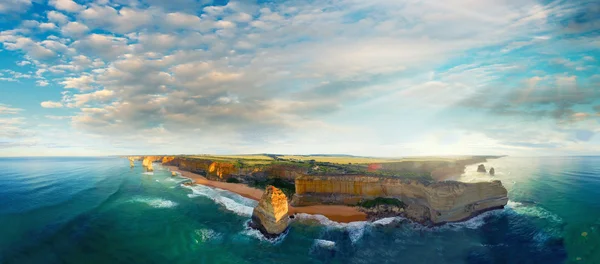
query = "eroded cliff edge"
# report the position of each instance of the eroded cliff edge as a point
(416, 189)
(426, 202)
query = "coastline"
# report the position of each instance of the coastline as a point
(337, 213)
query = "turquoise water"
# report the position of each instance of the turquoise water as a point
(98, 210)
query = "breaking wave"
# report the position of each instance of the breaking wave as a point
(254, 233)
(155, 202)
(355, 230)
(328, 244)
(205, 235)
(231, 201)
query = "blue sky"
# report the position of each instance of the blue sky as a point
(377, 78)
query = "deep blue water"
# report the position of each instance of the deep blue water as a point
(98, 210)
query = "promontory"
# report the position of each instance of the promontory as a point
(422, 189)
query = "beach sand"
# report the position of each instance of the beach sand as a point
(338, 213)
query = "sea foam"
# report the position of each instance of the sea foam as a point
(205, 235)
(324, 243)
(155, 202)
(355, 230)
(231, 201)
(254, 233)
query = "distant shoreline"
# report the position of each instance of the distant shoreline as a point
(337, 213)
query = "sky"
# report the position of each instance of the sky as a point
(385, 78)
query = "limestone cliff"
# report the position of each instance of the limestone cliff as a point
(221, 169)
(147, 162)
(270, 216)
(438, 202)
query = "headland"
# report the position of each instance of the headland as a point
(349, 188)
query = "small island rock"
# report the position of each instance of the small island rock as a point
(481, 168)
(270, 216)
(492, 171)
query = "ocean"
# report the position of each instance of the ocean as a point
(99, 210)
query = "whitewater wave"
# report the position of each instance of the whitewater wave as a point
(205, 235)
(155, 202)
(328, 244)
(533, 211)
(231, 201)
(148, 173)
(355, 230)
(254, 233)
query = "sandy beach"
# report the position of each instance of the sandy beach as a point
(338, 213)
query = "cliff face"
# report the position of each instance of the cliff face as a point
(221, 169)
(285, 172)
(270, 215)
(167, 159)
(438, 202)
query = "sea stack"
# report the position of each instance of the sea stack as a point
(173, 174)
(270, 216)
(481, 168)
(150, 168)
(492, 171)
(131, 162)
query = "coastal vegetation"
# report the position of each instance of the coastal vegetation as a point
(370, 203)
(285, 186)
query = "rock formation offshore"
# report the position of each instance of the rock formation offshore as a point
(270, 216)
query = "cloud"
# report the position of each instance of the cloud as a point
(51, 104)
(96, 96)
(47, 26)
(122, 21)
(247, 73)
(14, 6)
(57, 17)
(84, 82)
(7, 109)
(74, 29)
(66, 5)
(101, 45)
(27, 45)
(41, 83)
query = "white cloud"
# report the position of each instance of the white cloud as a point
(7, 109)
(82, 83)
(47, 26)
(100, 45)
(57, 17)
(74, 29)
(97, 96)
(42, 83)
(51, 104)
(122, 21)
(32, 48)
(14, 6)
(66, 5)
(182, 20)
(253, 72)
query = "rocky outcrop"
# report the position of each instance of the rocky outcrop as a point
(481, 168)
(221, 169)
(131, 164)
(270, 216)
(492, 171)
(167, 159)
(437, 202)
